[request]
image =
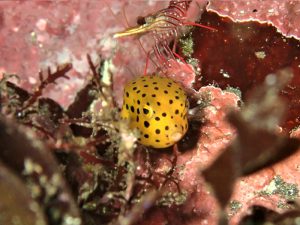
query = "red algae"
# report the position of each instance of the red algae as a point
(241, 54)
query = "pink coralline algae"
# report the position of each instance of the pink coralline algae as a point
(112, 178)
(196, 153)
(284, 15)
(63, 32)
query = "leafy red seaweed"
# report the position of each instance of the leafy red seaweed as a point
(50, 79)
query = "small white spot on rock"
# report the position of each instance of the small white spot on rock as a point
(64, 56)
(260, 54)
(80, 65)
(33, 36)
(15, 29)
(72, 28)
(41, 24)
(224, 73)
(32, 80)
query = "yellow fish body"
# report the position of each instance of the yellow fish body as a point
(156, 106)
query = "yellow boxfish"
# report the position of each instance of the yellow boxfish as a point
(157, 107)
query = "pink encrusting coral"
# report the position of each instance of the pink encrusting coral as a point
(271, 188)
(284, 15)
(226, 66)
(199, 207)
(62, 32)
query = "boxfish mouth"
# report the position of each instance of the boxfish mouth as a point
(176, 136)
